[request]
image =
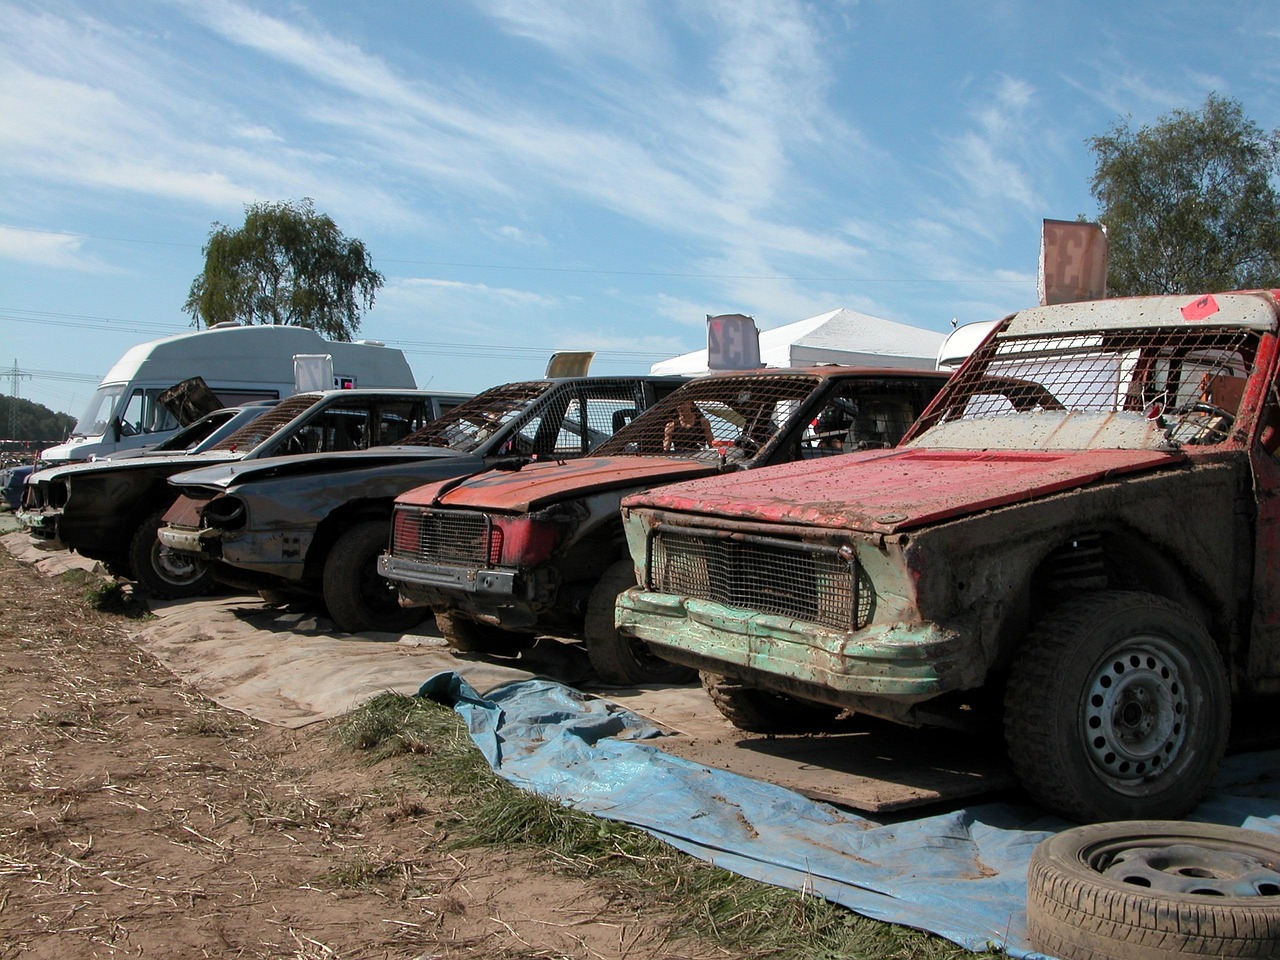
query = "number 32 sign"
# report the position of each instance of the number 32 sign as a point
(733, 343)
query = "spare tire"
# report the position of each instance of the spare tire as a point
(1155, 890)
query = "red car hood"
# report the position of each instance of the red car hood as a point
(537, 484)
(893, 490)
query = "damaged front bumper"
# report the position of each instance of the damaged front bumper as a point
(276, 553)
(42, 525)
(507, 596)
(902, 662)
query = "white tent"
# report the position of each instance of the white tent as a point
(840, 336)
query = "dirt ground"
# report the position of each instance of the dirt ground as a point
(138, 819)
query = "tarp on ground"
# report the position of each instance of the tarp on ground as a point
(961, 875)
(838, 336)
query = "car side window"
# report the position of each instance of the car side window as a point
(856, 418)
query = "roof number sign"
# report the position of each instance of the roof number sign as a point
(733, 343)
(1073, 262)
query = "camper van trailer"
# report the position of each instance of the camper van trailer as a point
(237, 363)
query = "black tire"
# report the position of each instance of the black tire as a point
(615, 658)
(359, 598)
(1155, 890)
(472, 636)
(761, 711)
(1117, 708)
(162, 573)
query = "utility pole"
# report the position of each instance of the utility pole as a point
(14, 376)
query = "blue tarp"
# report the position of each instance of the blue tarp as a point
(961, 875)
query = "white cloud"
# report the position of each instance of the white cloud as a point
(619, 30)
(427, 292)
(39, 248)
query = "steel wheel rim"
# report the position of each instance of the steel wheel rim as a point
(176, 568)
(1190, 866)
(1134, 715)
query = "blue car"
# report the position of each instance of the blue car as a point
(12, 480)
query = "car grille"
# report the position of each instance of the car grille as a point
(451, 536)
(811, 582)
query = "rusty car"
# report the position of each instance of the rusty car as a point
(511, 553)
(1097, 576)
(109, 510)
(313, 526)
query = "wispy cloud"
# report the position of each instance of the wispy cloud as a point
(43, 249)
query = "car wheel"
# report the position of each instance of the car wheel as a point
(762, 711)
(359, 598)
(164, 573)
(1117, 708)
(472, 636)
(619, 659)
(1153, 890)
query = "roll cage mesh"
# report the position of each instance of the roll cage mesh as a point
(1169, 375)
(258, 430)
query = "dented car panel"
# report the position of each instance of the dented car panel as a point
(275, 524)
(1097, 571)
(537, 484)
(943, 582)
(278, 504)
(452, 544)
(95, 508)
(867, 490)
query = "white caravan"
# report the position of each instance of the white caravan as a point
(238, 363)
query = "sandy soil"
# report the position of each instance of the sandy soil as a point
(138, 819)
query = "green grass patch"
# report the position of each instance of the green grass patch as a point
(107, 596)
(745, 917)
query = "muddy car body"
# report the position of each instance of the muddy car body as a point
(109, 510)
(1100, 577)
(314, 525)
(507, 553)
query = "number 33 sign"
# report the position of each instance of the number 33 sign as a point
(733, 343)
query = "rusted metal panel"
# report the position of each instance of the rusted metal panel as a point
(539, 483)
(185, 511)
(891, 491)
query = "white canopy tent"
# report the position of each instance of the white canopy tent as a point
(840, 336)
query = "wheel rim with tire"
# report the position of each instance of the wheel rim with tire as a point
(1133, 715)
(615, 658)
(359, 598)
(1154, 890)
(162, 572)
(1117, 707)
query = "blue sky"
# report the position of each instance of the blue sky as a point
(533, 175)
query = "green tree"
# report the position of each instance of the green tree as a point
(32, 421)
(1189, 203)
(287, 265)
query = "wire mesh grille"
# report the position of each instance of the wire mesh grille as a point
(542, 419)
(1188, 380)
(255, 432)
(743, 417)
(705, 416)
(441, 535)
(469, 424)
(810, 583)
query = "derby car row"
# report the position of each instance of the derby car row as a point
(1073, 537)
